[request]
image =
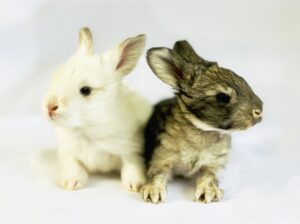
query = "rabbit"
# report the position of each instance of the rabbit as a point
(98, 119)
(189, 135)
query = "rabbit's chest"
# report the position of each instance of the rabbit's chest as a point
(96, 159)
(199, 152)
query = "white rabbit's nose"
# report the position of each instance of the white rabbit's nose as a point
(52, 107)
(257, 113)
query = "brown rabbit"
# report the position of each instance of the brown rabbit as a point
(189, 135)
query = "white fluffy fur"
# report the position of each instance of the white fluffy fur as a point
(101, 132)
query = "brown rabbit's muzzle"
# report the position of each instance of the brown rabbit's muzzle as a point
(256, 110)
(247, 115)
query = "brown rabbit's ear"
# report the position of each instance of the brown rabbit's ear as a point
(186, 51)
(85, 41)
(166, 64)
(129, 51)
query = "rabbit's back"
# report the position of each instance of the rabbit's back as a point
(156, 125)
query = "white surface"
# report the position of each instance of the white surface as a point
(258, 39)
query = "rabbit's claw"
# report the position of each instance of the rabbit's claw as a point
(154, 193)
(208, 192)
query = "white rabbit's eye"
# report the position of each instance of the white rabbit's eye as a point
(85, 90)
(222, 98)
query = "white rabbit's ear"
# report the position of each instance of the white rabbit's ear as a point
(85, 41)
(129, 52)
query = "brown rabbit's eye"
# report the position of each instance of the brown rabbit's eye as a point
(222, 98)
(86, 90)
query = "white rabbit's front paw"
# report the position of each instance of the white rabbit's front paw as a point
(133, 177)
(133, 183)
(74, 182)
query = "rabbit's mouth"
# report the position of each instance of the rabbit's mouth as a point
(226, 126)
(244, 124)
(256, 121)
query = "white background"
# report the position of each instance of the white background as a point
(258, 39)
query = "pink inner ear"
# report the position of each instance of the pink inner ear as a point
(124, 54)
(175, 70)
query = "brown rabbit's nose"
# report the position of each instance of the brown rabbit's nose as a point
(257, 113)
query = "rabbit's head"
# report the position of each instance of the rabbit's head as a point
(87, 83)
(215, 97)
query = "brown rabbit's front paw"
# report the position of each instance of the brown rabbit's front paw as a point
(154, 193)
(208, 192)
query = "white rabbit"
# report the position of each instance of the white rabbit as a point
(99, 120)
